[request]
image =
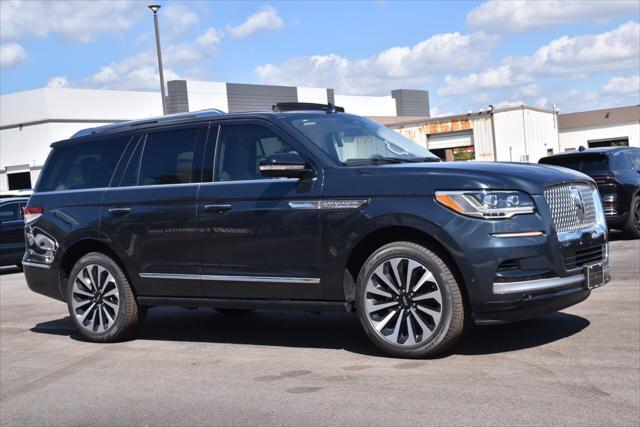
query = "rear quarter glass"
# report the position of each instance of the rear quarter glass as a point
(88, 164)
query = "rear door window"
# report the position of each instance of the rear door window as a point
(167, 157)
(82, 165)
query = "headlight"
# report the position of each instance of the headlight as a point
(487, 204)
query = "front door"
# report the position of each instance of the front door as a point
(258, 239)
(150, 213)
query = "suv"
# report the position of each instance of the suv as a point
(305, 207)
(616, 171)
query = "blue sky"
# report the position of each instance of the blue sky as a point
(468, 54)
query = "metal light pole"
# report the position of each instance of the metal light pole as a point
(155, 8)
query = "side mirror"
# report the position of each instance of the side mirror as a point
(285, 165)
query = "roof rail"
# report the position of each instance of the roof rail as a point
(281, 107)
(168, 119)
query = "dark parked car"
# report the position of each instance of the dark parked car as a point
(306, 207)
(12, 231)
(616, 171)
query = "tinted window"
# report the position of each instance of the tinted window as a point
(10, 212)
(634, 158)
(584, 163)
(83, 165)
(167, 157)
(240, 149)
(130, 175)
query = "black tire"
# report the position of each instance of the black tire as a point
(20, 268)
(632, 228)
(446, 333)
(129, 314)
(234, 311)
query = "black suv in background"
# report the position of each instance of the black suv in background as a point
(616, 171)
(12, 231)
(305, 207)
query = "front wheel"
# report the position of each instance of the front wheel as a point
(100, 300)
(409, 302)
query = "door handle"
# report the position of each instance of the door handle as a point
(218, 207)
(119, 211)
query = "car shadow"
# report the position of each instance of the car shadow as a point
(617, 235)
(329, 330)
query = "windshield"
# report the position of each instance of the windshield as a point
(352, 139)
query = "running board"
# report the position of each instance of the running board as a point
(254, 304)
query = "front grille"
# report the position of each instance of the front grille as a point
(582, 257)
(572, 206)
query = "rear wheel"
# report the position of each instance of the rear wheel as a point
(409, 302)
(632, 229)
(100, 300)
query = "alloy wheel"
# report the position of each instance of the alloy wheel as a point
(636, 213)
(95, 298)
(403, 301)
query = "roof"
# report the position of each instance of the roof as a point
(194, 116)
(587, 151)
(609, 116)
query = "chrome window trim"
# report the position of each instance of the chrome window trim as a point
(229, 278)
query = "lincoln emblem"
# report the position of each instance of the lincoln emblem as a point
(578, 203)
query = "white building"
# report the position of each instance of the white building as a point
(598, 128)
(30, 121)
(519, 134)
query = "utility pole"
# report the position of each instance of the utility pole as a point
(155, 8)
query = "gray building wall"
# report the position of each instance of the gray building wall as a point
(411, 102)
(245, 97)
(177, 99)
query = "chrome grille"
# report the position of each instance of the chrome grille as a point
(564, 207)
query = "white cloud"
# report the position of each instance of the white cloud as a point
(11, 54)
(140, 71)
(74, 21)
(529, 90)
(492, 78)
(58, 82)
(266, 19)
(623, 85)
(517, 16)
(405, 66)
(617, 49)
(177, 20)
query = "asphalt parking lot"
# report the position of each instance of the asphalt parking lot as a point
(577, 367)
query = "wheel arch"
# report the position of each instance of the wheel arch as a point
(79, 249)
(397, 233)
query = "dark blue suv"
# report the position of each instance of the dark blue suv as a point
(305, 207)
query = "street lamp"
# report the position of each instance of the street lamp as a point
(155, 8)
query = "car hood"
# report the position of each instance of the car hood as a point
(528, 177)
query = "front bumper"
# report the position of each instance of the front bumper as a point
(521, 268)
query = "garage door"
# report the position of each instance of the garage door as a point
(450, 140)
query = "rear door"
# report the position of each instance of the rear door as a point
(150, 213)
(259, 239)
